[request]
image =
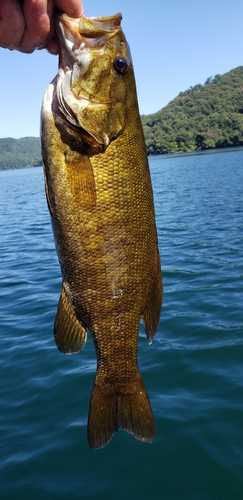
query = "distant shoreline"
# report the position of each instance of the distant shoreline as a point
(198, 152)
(164, 156)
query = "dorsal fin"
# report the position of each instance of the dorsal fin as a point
(151, 313)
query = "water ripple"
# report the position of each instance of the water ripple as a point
(193, 370)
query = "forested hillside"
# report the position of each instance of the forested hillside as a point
(17, 153)
(205, 116)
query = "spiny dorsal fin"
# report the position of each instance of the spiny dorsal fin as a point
(69, 334)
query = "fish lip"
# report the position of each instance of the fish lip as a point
(65, 37)
(71, 32)
(90, 27)
(67, 25)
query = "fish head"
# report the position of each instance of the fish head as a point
(94, 78)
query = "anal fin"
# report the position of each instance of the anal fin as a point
(69, 334)
(151, 313)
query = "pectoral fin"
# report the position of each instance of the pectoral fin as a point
(151, 313)
(81, 179)
(69, 334)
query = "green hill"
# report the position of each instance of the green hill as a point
(17, 153)
(205, 116)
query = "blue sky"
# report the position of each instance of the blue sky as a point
(175, 44)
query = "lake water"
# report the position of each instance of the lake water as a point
(193, 370)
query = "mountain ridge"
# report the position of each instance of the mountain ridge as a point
(203, 117)
(18, 153)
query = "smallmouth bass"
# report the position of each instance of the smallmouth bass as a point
(100, 199)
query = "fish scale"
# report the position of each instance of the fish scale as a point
(100, 199)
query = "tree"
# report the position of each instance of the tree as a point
(205, 116)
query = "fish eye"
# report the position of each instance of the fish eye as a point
(120, 65)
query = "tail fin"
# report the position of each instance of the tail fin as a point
(128, 410)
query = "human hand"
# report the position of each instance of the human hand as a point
(26, 25)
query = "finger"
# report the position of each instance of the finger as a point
(38, 29)
(73, 8)
(52, 47)
(12, 24)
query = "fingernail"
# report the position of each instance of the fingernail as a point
(41, 7)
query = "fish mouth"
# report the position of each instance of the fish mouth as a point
(81, 41)
(91, 27)
(75, 34)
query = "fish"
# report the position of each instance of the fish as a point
(99, 194)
